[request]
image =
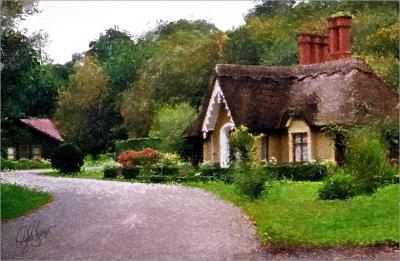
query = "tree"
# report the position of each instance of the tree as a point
(120, 56)
(269, 8)
(169, 124)
(184, 55)
(83, 113)
(12, 11)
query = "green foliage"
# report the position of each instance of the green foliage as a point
(27, 89)
(17, 200)
(243, 145)
(367, 157)
(250, 182)
(67, 158)
(313, 171)
(170, 77)
(169, 124)
(111, 172)
(290, 214)
(24, 164)
(340, 185)
(14, 11)
(131, 172)
(366, 167)
(84, 113)
(120, 57)
(102, 161)
(137, 144)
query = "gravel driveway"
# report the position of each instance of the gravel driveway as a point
(94, 219)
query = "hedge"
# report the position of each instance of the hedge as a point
(112, 172)
(24, 164)
(176, 179)
(301, 172)
(136, 144)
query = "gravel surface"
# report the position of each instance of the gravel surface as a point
(105, 220)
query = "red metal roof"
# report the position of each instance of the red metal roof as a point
(45, 126)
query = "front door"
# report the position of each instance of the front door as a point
(224, 148)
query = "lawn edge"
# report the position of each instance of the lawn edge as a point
(51, 200)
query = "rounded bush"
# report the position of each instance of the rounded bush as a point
(67, 158)
(250, 182)
(340, 185)
(111, 172)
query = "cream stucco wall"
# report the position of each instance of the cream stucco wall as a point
(284, 157)
(211, 145)
(274, 147)
(323, 146)
(207, 150)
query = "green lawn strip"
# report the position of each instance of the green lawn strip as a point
(81, 174)
(290, 213)
(17, 200)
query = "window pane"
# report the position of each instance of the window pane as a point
(24, 152)
(36, 152)
(11, 153)
(304, 137)
(297, 138)
(297, 153)
(264, 147)
(305, 153)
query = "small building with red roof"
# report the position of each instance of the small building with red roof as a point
(31, 139)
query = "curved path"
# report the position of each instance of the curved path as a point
(105, 220)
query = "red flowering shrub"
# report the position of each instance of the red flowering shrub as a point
(145, 157)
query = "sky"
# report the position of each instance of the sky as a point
(71, 25)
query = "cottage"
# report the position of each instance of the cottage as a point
(289, 106)
(32, 139)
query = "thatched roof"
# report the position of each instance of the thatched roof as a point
(263, 98)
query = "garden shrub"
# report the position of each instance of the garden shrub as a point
(131, 172)
(111, 172)
(168, 170)
(67, 158)
(367, 159)
(186, 169)
(250, 181)
(169, 124)
(168, 164)
(224, 174)
(340, 185)
(24, 164)
(207, 169)
(146, 157)
(366, 167)
(136, 144)
(312, 171)
(243, 145)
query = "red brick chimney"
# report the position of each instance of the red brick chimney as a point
(339, 37)
(313, 48)
(304, 42)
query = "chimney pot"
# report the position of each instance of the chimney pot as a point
(339, 37)
(304, 43)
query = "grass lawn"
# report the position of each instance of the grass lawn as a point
(290, 213)
(81, 174)
(17, 200)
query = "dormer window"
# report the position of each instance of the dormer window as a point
(300, 147)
